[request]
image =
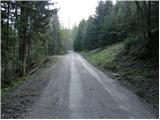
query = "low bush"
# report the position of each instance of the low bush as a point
(130, 42)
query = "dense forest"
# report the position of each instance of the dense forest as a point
(136, 22)
(124, 38)
(31, 32)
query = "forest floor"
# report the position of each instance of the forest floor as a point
(140, 76)
(72, 88)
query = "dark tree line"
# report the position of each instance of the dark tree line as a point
(136, 22)
(29, 31)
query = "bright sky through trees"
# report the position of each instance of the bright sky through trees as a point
(72, 11)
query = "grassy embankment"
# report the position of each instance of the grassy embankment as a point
(138, 75)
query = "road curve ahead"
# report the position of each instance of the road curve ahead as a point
(76, 89)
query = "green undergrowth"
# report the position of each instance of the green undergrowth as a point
(12, 85)
(42, 66)
(139, 75)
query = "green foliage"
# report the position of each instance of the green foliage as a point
(131, 42)
(29, 29)
(66, 42)
(90, 42)
(81, 36)
(115, 23)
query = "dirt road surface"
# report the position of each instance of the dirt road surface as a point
(76, 89)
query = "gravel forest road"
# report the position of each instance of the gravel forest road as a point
(72, 88)
(76, 89)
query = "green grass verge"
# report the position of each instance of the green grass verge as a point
(104, 58)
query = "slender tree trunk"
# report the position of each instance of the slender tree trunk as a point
(29, 47)
(149, 20)
(23, 36)
(6, 45)
(14, 58)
